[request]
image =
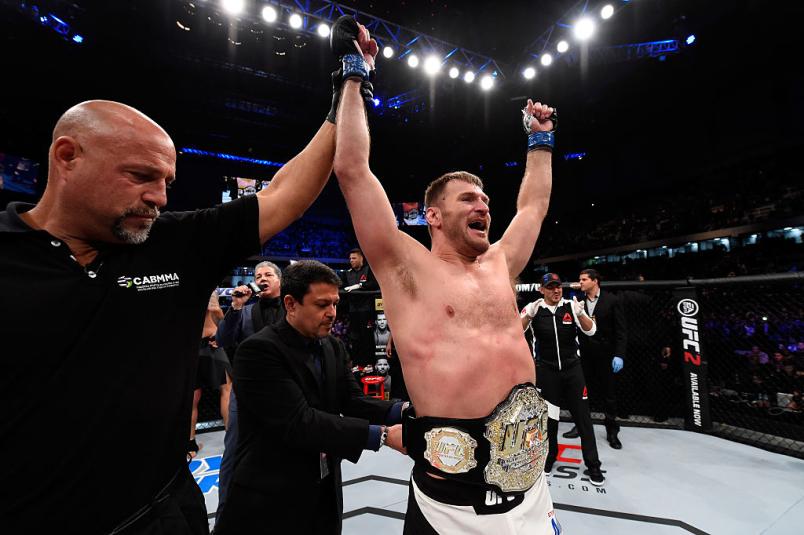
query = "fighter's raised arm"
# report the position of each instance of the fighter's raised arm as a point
(373, 219)
(534, 192)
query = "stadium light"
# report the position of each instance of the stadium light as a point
(454, 72)
(584, 28)
(413, 61)
(295, 21)
(269, 14)
(388, 52)
(432, 64)
(529, 73)
(607, 11)
(546, 59)
(487, 82)
(469, 77)
(562, 46)
(233, 7)
(323, 30)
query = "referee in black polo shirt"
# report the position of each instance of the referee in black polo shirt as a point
(554, 323)
(104, 301)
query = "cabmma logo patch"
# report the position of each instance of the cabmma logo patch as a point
(567, 318)
(149, 282)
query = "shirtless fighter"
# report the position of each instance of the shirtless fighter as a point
(478, 437)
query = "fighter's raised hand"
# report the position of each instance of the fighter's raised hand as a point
(351, 43)
(539, 121)
(538, 117)
(367, 46)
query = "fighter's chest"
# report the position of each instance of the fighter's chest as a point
(474, 301)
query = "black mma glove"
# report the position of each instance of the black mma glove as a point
(342, 39)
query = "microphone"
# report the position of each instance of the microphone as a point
(253, 286)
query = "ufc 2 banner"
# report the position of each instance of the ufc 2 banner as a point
(698, 417)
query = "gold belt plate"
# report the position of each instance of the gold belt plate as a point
(450, 450)
(517, 433)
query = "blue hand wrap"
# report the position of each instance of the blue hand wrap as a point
(355, 66)
(541, 140)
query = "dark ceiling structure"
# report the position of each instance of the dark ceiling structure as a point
(239, 86)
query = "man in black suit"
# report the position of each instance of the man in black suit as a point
(293, 385)
(602, 355)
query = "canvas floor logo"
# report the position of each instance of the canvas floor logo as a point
(149, 282)
(205, 470)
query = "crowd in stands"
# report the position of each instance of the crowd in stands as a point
(767, 255)
(756, 341)
(770, 381)
(309, 238)
(745, 194)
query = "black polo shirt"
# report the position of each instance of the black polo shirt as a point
(364, 277)
(98, 363)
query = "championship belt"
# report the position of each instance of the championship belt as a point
(517, 435)
(506, 450)
(450, 450)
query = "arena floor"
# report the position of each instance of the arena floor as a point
(663, 482)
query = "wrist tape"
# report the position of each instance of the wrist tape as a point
(355, 66)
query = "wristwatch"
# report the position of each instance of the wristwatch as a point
(383, 436)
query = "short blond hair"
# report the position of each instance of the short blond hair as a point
(436, 188)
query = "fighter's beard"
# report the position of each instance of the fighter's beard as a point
(478, 246)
